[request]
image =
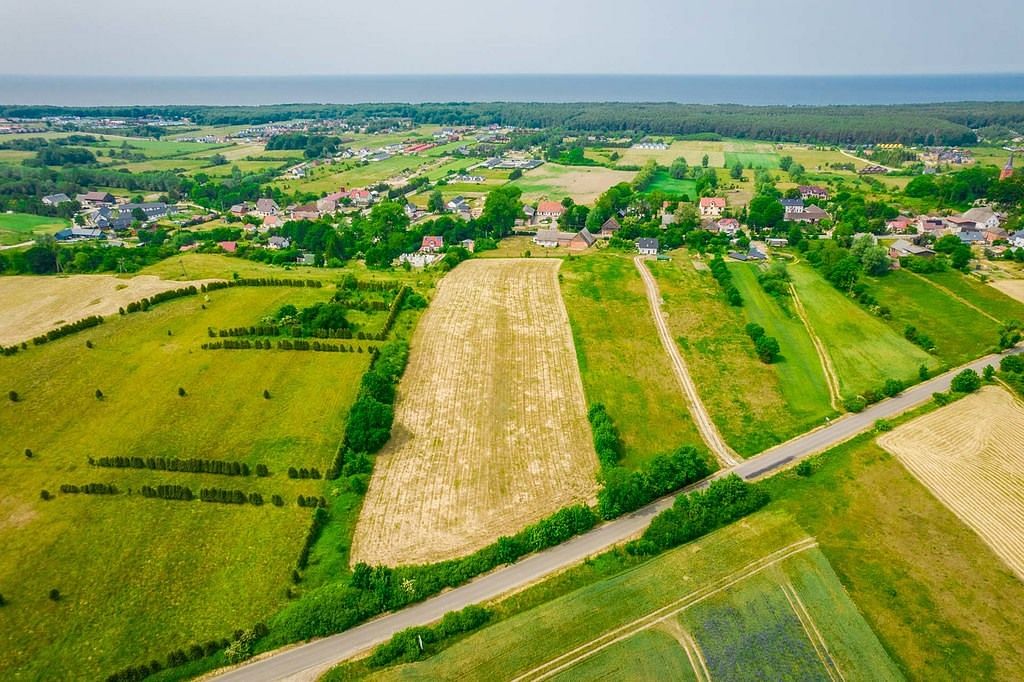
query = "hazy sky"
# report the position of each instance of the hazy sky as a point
(285, 37)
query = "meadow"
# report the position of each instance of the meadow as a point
(663, 182)
(768, 160)
(989, 300)
(16, 228)
(620, 357)
(747, 399)
(864, 350)
(138, 576)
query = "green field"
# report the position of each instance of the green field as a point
(959, 332)
(864, 350)
(663, 182)
(22, 227)
(140, 577)
(648, 655)
(747, 399)
(621, 360)
(768, 160)
(989, 299)
(350, 173)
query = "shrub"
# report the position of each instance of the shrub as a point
(942, 399)
(12, 396)
(855, 404)
(804, 468)
(55, 594)
(266, 394)
(1012, 363)
(625, 491)
(883, 425)
(922, 372)
(767, 348)
(181, 391)
(404, 646)
(45, 494)
(892, 387)
(606, 436)
(28, 453)
(966, 381)
(99, 394)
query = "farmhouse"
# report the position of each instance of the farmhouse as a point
(647, 246)
(230, 247)
(901, 248)
(729, 226)
(983, 216)
(265, 207)
(1017, 239)
(959, 224)
(792, 205)
(240, 210)
(457, 204)
(900, 225)
(96, 199)
(610, 227)
(970, 237)
(278, 243)
(468, 245)
(432, 244)
(76, 233)
(549, 210)
(361, 197)
(530, 212)
(813, 192)
(711, 207)
(810, 214)
(930, 224)
(326, 205)
(582, 241)
(56, 199)
(553, 238)
(305, 212)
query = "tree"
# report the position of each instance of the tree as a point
(960, 257)
(501, 209)
(435, 204)
(679, 169)
(704, 161)
(518, 173)
(737, 171)
(988, 373)
(45, 494)
(966, 381)
(266, 394)
(55, 594)
(765, 211)
(922, 372)
(12, 396)
(785, 162)
(99, 394)
(767, 348)
(892, 387)
(138, 214)
(181, 392)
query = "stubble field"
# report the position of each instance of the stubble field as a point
(490, 429)
(971, 456)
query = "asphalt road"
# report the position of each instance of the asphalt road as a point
(306, 659)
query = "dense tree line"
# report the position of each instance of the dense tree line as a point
(90, 489)
(766, 347)
(145, 303)
(312, 145)
(179, 657)
(168, 492)
(316, 526)
(284, 344)
(607, 443)
(192, 465)
(229, 496)
(262, 282)
(720, 271)
(699, 513)
(625, 491)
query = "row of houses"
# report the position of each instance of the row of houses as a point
(979, 225)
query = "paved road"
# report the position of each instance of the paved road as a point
(708, 431)
(305, 660)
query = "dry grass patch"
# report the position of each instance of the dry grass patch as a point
(1014, 288)
(971, 456)
(30, 306)
(583, 183)
(490, 429)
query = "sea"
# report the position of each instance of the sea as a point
(352, 89)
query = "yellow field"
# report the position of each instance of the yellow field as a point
(34, 305)
(971, 456)
(490, 429)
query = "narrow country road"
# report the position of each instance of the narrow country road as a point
(706, 427)
(305, 660)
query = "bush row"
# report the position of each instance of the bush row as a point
(178, 657)
(90, 489)
(316, 526)
(229, 496)
(720, 271)
(699, 513)
(192, 466)
(625, 491)
(54, 334)
(396, 307)
(606, 436)
(415, 643)
(293, 331)
(766, 347)
(146, 303)
(910, 333)
(168, 492)
(262, 282)
(312, 501)
(284, 344)
(303, 473)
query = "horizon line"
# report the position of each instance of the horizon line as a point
(908, 74)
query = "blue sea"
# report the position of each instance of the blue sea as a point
(754, 90)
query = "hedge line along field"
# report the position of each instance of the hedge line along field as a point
(642, 613)
(620, 356)
(971, 455)
(746, 398)
(864, 350)
(33, 305)
(960, 333)
(158, 574)
(490, 431)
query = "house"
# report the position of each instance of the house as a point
(432, 244)
(530, 212)
(610, 227)
(756, 254)
(76, 233)
(812, 214)
(122, 222)
(582, 241)
(305, 212)
(56, 199)
(549, 210)
(983, 216)
(970, 237)
(553, 238)
(457, 204)
(900, 225)
(326, 205)
(230, 247)
(361, 197)
(994, 234)
(647, 246)
(729, 226)
(96, 199)
(266, 207)
(272, 221)
(277, 243)
(419, 259)
(901, 248)
(711, 207)
(930, 225)
(958, 224)
(1017, 239)
(240, 210)
(792, 205)
(776, 242)
(813, 192)
(468, 245)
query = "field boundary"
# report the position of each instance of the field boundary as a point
(584, 651)
(708, 430)
(813, 633)
(690, 646)
(826, 360)
(955, 296)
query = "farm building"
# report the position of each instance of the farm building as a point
(549, 210)
(776, 242)
(468, 245)
(901, 248)
(230, 247)
(647, 246)
(810, 214)
(95, 199)
(711, 207)
(582, 241)
(56, 199)
(305, 212)
(553, 238)
(792, 205)
(610, 227)
(278, 243)
(983, 216)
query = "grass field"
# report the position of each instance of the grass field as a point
(990, 300)
(650, 654)
(620, 357)
(864, 350)
(350, 173)
(583, 183)
(663, 182)
(971, 455)
(746, 398)
(1014, 288)
(140, 577)
(768, 160)
(960, 333)
(16, 228)
(490, 427)
(691, 150)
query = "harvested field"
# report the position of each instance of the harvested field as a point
(33, 305)
(583, 183)
(971, 456)
(1014, 288)
(490, 429)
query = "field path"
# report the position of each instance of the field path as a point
(826, 360)
(708, 430)
(870, 163)
(952, 294)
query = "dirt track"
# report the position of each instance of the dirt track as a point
(708, 430)
(826, 361)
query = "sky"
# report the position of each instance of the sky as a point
(341, 37)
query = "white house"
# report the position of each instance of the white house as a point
(647, 246)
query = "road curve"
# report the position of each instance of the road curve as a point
(706, 427)
(304, 660)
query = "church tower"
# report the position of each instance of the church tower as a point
(1007, 169)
